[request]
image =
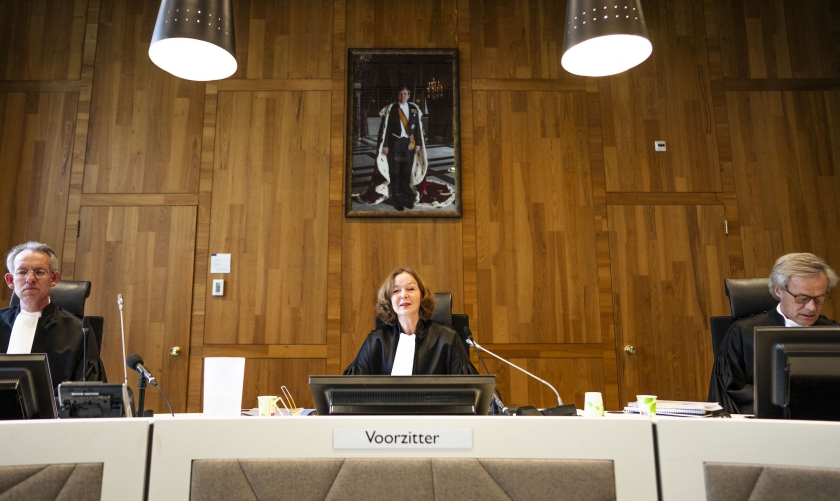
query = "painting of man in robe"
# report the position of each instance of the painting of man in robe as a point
(403, 145)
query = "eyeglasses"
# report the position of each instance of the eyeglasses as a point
(24, 273)
(805, 299)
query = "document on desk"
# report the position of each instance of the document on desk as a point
(678, 408)
(402, 438)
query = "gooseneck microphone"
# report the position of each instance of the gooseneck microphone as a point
(122, 333)
(496, 399)
(479, 347)
(135, 362)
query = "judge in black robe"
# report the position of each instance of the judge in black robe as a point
(59, 335)
(732, 376)
(438, 350)
(405, 305)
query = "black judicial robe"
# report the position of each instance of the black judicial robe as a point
(59, 335)
(437, 350)
(732, 376)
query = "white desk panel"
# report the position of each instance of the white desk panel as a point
(177, 442)
(120, 444)
(685, 444)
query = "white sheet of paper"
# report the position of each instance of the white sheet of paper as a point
(220, 263)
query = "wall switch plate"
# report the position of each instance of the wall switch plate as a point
(659, 146)
(218, 287)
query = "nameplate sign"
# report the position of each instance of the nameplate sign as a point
(402, 438)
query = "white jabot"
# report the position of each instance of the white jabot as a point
(404, 359)
(404, 108)
(788, 322)
(23, 333)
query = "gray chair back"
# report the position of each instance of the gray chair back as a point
(68, 295)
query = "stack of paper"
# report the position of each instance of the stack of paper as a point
(677, 408)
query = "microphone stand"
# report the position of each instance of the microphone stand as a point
(496, 402)
(559, 410)
(141, 389)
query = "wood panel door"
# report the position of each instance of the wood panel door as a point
(668, 267)
(146, 254)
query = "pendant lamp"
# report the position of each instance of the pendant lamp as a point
(193, 39)
(604, 37)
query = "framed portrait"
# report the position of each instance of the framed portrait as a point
(403, 133)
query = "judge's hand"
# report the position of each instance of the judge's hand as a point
(384, 150)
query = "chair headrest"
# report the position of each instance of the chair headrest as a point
(68, 295)
(443, 308)
(749, 296)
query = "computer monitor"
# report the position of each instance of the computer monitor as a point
(26, 390)
(402, 394)
(797, 373)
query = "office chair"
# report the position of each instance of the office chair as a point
(70, 295)
(747, 297)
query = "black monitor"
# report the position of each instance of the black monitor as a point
(402, 394)
(26, 390)
(797, 373)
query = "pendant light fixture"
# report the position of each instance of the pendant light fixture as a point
(193, 39)
(604, 37)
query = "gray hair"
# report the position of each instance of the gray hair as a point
(798, 264)
(35, 247)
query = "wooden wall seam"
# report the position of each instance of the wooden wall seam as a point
(467, 165)
(77, 170)
(202, 248)
(336, 189)
(600, 201)
(40, 86)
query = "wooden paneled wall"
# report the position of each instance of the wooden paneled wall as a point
(576, 237)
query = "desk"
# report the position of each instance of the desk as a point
(119, 444)
(686, 444)
(179, 441)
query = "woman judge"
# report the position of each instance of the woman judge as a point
(409, 342)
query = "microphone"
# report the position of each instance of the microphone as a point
(136, 362)
(122, 332)
(553, 411)
(84, 353)
(496, 398)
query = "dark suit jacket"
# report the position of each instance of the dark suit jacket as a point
(59, 335)
(732, 376)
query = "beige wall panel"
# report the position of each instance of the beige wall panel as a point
(786, 153)
(572, 377)
(52, 31)
(145, 125)
(778, 39)
(517, 38)
(36, 139)
(145, 254)
(535, 230)
(269, 210)
(402, 24)
(668, 267)
(283, 38)
(668, 97)
(374, 248)
(265, 376)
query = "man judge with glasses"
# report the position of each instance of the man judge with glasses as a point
(801, 282)
(38, 326)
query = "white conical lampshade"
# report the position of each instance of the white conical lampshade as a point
(604, 38)
(194, 39)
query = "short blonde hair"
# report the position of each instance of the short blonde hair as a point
(802, 265)
(383, 307)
